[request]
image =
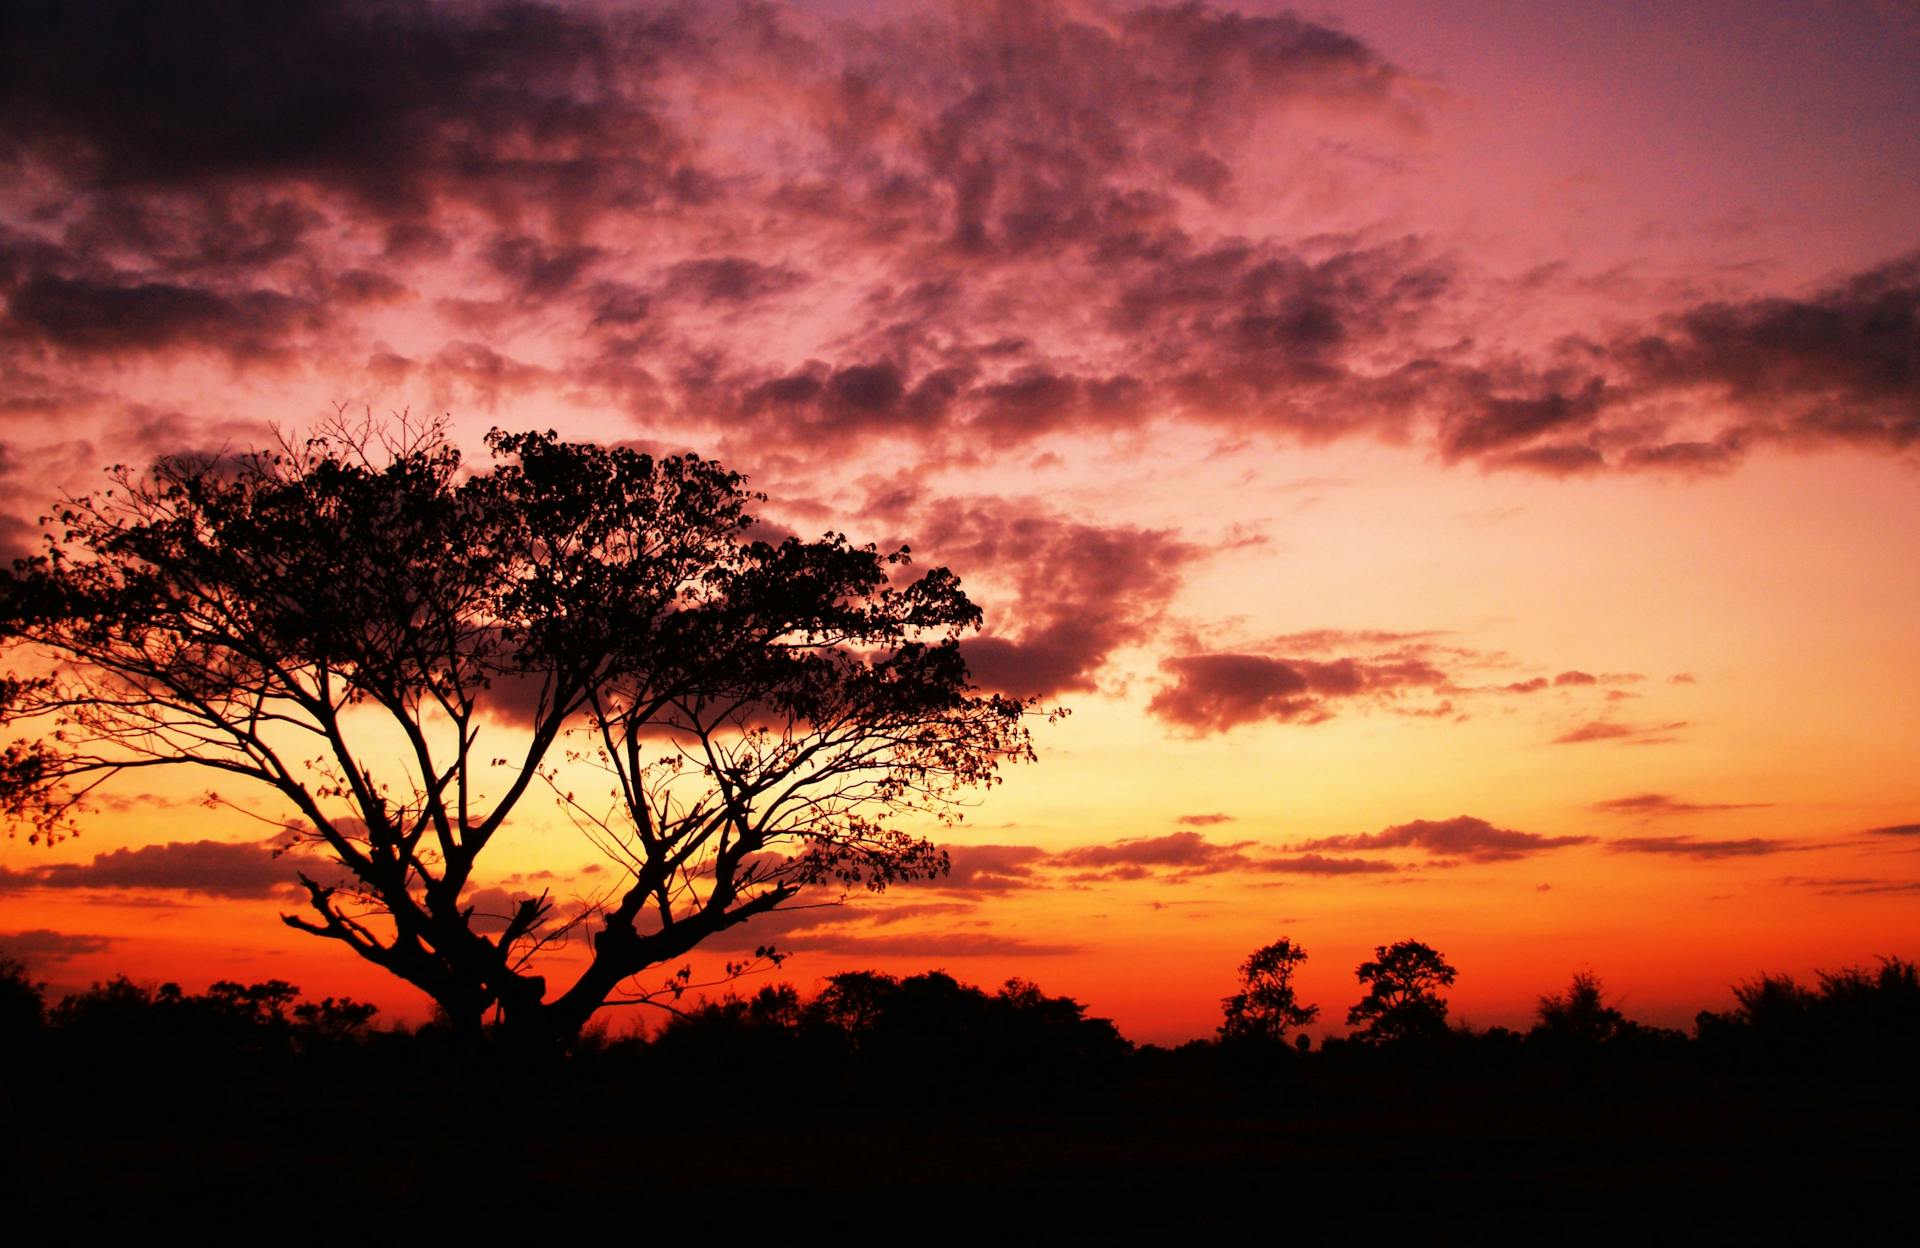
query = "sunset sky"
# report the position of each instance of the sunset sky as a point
(1456, 461)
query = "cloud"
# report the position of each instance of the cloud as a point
(1692, 847)
(1203, 821)
(85, 317)
(494, 908)
(1216, 692)
(1896, 829)
(931, 945)
(1309, 677)
(212, 868)
(846, 930)
(1662, 805)
(991, 868)
(1859, 886)
(1062, 595)
(1183, 855)
(40, 945)
(1839, 365)
(1462, 836)
(974, 227)
(1627, 734)
(1319, 864)
(1188, 850)
(392, 103)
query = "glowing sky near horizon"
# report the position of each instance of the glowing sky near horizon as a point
(1457, 461)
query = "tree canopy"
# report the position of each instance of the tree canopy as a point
(1403, 1001)
(402, 648)
(1267, 1007)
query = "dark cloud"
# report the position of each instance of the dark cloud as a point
(212, 868)
(1203, 821)
(1661, 805)
(1498, 423)
(863, 398)
(1896, 829)
(40, 945)
(86, 317)
(1307, 678)
(1216, 692)
(971, 227)
(730, 279)
(1692, 847)
(1840, 365)
(391, 101)
(1462, 836)
(991, 868)
(1063, 595)
(538, 271)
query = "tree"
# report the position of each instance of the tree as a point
(1582, 1014)
(1266, 1007)
(1403, 1002)
(402, 648)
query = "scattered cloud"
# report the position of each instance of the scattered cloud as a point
(1092, 181)
(1310, 677)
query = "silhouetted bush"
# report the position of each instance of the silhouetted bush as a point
(1859, 1025)
(867, 1034)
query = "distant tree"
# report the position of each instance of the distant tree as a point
(1267, 1007)
(1403, 1001)
(400, 648)
(22, 1000)
(1580, 1014)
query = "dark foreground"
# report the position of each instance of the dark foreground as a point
(1023, 1123)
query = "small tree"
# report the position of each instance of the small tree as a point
(1403, 1002)
(401, 648)
(1266, 1007)
(1581, 1014)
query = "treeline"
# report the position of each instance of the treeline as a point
(933, 1038)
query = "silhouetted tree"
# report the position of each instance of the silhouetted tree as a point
(1581, 1014)
(1266, 1007)
(399, 647)
(22, 1001)
(1403, 1002)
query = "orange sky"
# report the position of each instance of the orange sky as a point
(1471, 442)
